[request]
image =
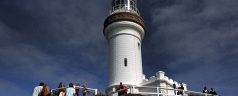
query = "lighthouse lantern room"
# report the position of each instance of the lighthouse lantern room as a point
(124, 6)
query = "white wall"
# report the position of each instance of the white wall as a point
(124, 42)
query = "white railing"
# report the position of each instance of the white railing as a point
(124, 8)
(92, 90)
(161, 91)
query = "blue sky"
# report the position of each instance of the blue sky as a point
(193, 41)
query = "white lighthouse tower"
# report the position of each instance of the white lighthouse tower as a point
(124, 30)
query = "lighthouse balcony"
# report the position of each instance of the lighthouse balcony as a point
(124, 8)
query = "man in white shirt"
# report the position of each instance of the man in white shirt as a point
(70, 91)
(38, 89)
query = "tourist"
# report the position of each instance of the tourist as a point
(61, 88)
(205, 90)
(70, 91)
(38, 89)
(125, 89)
(85, 90)
(45, 91)
(213, 92)
(77, 88)
(181, 88)
(62, 92)
(174, 86)
(122, 89)
(61, 85)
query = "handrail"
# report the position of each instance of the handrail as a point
(185, 92)
(123, 8)
(80, 87)
(117, 91)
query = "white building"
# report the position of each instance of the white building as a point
(124, 30)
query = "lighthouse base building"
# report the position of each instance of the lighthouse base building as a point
(158, 85)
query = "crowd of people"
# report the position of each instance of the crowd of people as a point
(72, 90)
(180, 91)
(181, 88)
(212, 91)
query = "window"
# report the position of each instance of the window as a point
(138, 45)
(125, 62)
(133, 4)
(123, 3)
(117, 2)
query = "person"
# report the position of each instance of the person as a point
(62, 92)
(174, 86)
(45, 91)
(61, 88)
(77, 87)
(122, 89)
(180, 92)
(85, 90)
(38, 89)
(213, 92)
(205, 90)
(70, 91)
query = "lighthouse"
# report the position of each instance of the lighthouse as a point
(124, 31)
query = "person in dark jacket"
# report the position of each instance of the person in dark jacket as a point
(180, 92)
(205, 90)
(174, 86)
(213, 92)
(122, 89)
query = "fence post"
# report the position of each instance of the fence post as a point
(96, 91)
(157, 89)
(132, 90)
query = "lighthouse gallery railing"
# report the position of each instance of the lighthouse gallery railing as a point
(161, 91)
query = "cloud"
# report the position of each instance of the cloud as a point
(198, 39)
(13, 87)
(60, 40)
(53, 41)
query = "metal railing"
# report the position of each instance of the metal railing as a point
(90, 90)
(124, 8)
(161, 91)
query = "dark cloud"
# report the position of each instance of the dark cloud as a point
(193, 41)
(15, 88)
(52, 41)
